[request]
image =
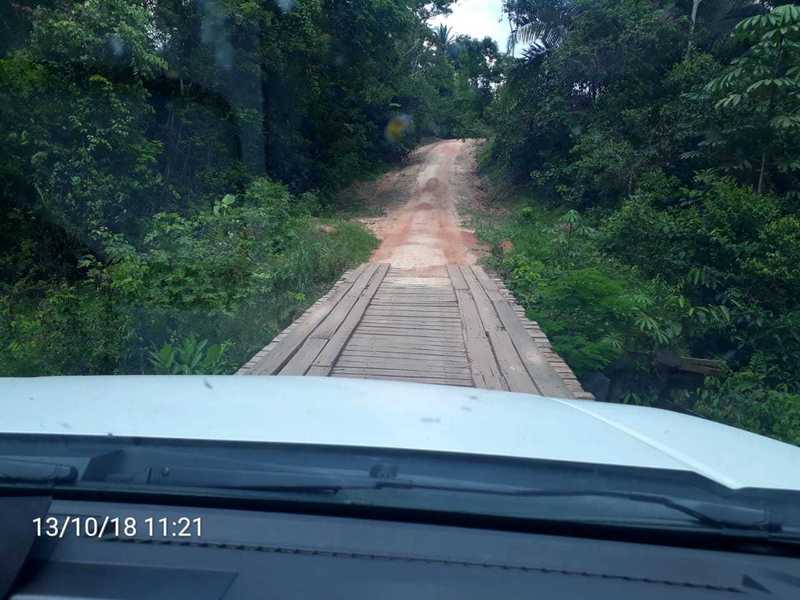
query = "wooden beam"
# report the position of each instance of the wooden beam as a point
(547, 380)
(486, 373)
(327, 358)
(278, 356)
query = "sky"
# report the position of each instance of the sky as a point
(478, 18)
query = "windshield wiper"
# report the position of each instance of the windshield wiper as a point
(712, 514)
(14, 470)
(311, 481)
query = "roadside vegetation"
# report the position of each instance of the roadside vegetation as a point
(174, 179)
(169, 170)
(653, 152)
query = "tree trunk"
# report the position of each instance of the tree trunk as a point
(695, 7)
(762, 171)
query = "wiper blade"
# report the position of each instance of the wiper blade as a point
(256, 480)
(13, 470)
(712, 514)
(286, 479)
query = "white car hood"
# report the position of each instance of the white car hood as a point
(349, 412)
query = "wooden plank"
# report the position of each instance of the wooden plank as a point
(457, 362)
(403, 373)
(439, 285)
(447, 330)
(421, 299)
(408, 320)
(410, 364)
(430, 380)
(417, 296)
(327, 358)
(400, 341)
(423, 290)
(448, 305)
(449, 320)
(416, 333)
(399, 325)
(402, 319)
(414, 349)
(318, 372)
(451, 307)
(420, 291)
(544, 376)
(453, 376)
(401, 338)
(702, 366)
(285, 349)
(486, 372)
(411, 324)
(427, 295)
(428, 290)
(509, 361)
(375, 327)
(304, 357)
(338, 315)
(411, 317)
(443, 358)
(456, 279)
(415, 309)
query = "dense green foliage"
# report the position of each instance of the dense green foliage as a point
(170, 169)
(234, 274)
(164, 166)
(663, 152)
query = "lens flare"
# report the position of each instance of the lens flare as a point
(398, 127)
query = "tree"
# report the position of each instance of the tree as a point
(718, 17)
(541, 23)
(765, 82)
(83, 133)
(441, 38)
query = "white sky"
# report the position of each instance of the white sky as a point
(478, 18)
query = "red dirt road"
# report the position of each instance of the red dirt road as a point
(423, 233)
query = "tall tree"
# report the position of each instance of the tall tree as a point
(765, 83)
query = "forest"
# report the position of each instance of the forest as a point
(168, 169)
(171, 173)
(651, 152)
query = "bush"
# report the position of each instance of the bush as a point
(746, 401)
(71, 330)
(650, 239)
(727, 250)
(593, 309)
(191, 357)
(232, 276)
(602, 170)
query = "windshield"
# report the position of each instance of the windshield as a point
(591, 201)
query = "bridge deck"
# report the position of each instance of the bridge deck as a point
(463, 329)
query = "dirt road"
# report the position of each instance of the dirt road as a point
(422, 310)
(422, 231)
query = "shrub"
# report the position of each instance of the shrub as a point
(232, 276)
(592, 308)
(191, 357)
(71, 330)
(602, 170)
(746, 401)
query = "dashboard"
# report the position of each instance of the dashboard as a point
(109, 550)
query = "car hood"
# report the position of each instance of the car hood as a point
(362, 413)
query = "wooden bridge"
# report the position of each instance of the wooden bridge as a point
(462, 329)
